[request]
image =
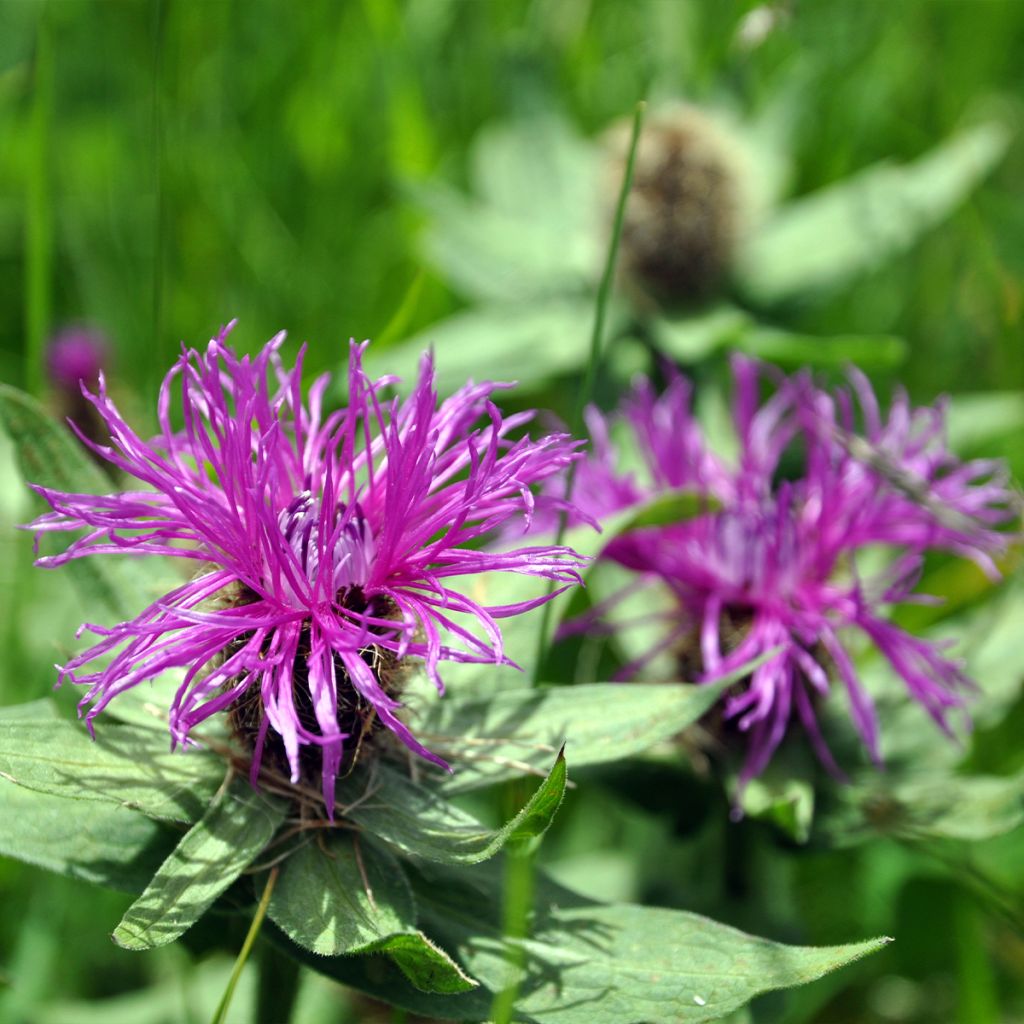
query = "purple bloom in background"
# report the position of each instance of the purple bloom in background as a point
(75, 356)
(773, 563)
(324, 547)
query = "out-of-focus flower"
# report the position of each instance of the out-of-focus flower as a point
(773, 564)
(325, 546)
(76, 356)
(687, 207)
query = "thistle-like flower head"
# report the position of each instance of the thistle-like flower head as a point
(774, 564)
(324, 547)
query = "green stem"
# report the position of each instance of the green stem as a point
(39, 212)
(586, 391)
(518, 901)
(221, 1016)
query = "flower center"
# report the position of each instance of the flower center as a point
(335, 554)
(340, 542)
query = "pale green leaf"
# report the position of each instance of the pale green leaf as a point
(724, 328)
(534, 229)
(937, 806)
(793, 351)
(823, 239)
(528, 343)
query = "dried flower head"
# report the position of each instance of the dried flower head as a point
(686, 207)
(775, 563)
(325, 547)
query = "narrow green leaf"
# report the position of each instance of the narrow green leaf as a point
(91, 841)
(588, 963)
(49, 455)
(425, 964)
(869, 352)
(211, 855)
(824, 239)
(489, 739)
(125, 765)
(726, 328)
(418, 821)
(341, 894)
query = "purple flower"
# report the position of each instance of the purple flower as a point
(774, 562)
(75, 356)
(324, 545)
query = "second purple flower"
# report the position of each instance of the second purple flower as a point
(785, 559)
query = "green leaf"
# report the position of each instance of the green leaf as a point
(939, 806)
(50, 456)
(492, 738)
(418, 821)
(726, 328)
(528, 343)
(869, 352)
(125, 765)
(588, 963)
(342, 895)
(212, 854)
(95, 842)
(694, 338)
(824, 239)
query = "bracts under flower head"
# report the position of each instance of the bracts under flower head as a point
(325, 546)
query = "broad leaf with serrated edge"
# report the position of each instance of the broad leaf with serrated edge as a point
(211, 855)
(340, 894)
(590, 963)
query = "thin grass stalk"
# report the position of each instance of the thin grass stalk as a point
(586, 391)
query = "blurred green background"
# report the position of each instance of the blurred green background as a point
(166, 165)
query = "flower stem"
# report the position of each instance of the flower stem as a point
(38, 208)
(586, 391)
(518, 901)
(221, 1016)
